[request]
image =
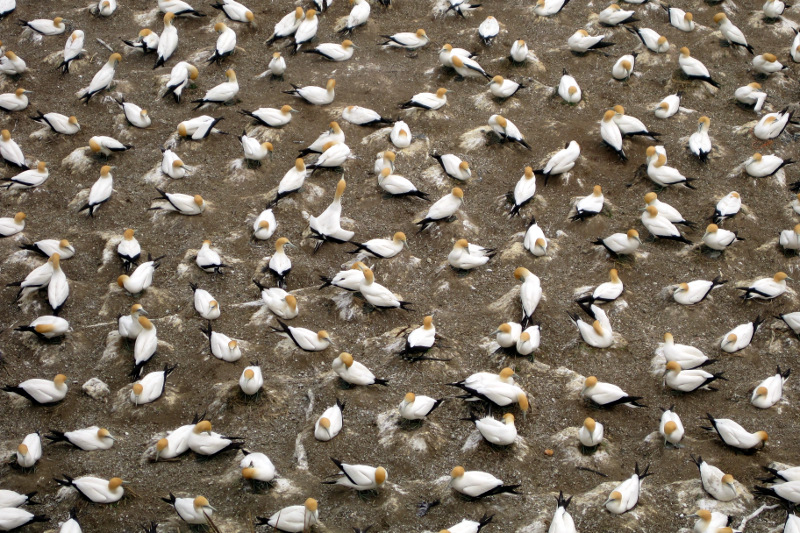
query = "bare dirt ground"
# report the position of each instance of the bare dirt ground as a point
(466, 307)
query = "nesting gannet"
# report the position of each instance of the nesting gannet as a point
(358, 477)
(652, 40)
(548, 8)
(788, 493)
(358, 16)
(727, 207)
(769, 391)
(16, 101)
(519, 51)
(48, 247)
(128, 325)
(45, 26)
(466, 256)
(767, 64)
(625, 497)
(305, 339)
(563, 161)
(488, 30)
(326, 227)
(614, 15)
(38, 278)
(611, 134)
(503, 88)
(400, 135)
(147, 41)
(362, 116)
(740, 337)
(693, 68)
(497, 389)
(181, 75)
(762, 166)
(307, 30)
(379, 296)
(730, 32)
(12, 225)
(396, 185)
(790, 238)
(251, 380)
(671, 428)
(444, 208)
(179, 7)
(221, 346)
(668, 106)
(581, 42)
(686, 356)
(562, 521)
(735, 435)
(751, 94)
(524, 190)
(766, 288)
(258, 467)
(610, 290)
(279, 302)
(407, 40)
(95, 489)
(659, 226)
(679, 18)
(699, 141)
(100, 192)
(530, 294)
(204, 303)
(624, 66)
(295, 518)
(58, 288)
(568, 89)
(773, 9)
(101, 144)
(430, 101)
(476, 484)
(589, 206)
(194, 511)
(226, 43)
(598, 334)
(203, 441)
(219, 94)
(329, 424)
(12, 518)
(591, 434)
(88, 439)
(494, 431)
(58, 123)
(334, 51)
(620, 243)
(209, 260)
(382, 248)
(141, 278)
(771, 125)
(46, 327)
(688, 380)
(507, 130)
(41, 391)
(72, 49)
(508, 335)
(695, 291)
(12, 154)
(417, 406)
(607, 394)
(529, 340)
(29, 451)
(151, 386)
(315, 95)
(184, 204)
(718, 238)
